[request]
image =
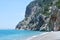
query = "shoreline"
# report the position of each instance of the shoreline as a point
(30, 38)
(54, 35)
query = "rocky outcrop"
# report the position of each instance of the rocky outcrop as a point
(54, 23)
(37, 16)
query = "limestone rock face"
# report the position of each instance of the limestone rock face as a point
(37, 16)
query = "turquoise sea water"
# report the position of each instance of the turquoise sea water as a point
(17, 34)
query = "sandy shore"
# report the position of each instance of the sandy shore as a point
(48, 36)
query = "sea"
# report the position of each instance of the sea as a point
(17, 34)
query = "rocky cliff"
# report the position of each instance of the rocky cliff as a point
(37, 15)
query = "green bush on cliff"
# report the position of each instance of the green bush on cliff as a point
(58, 4)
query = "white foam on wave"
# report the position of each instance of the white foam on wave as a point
(36, 36)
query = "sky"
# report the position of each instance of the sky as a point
(12, 12)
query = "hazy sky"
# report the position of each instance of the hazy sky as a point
(11, 12)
